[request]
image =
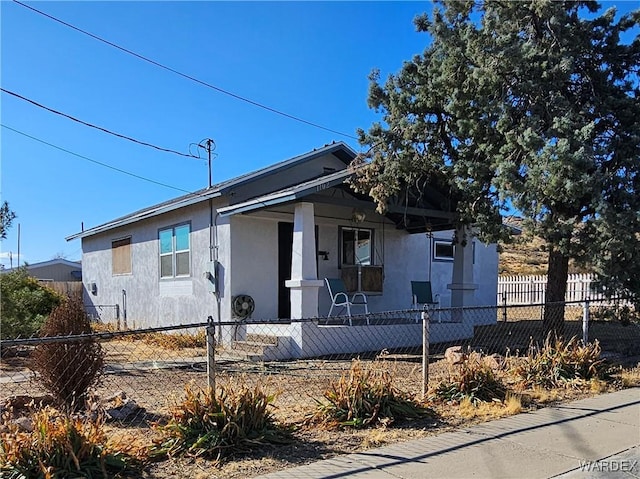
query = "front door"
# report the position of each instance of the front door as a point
(285, 253)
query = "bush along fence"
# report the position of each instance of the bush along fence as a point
(308, 371)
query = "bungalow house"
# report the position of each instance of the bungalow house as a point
(262, 243)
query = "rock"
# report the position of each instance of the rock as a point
(455, 355)
(24, 423)
(118, 398)
(125, 409)
(495, 361)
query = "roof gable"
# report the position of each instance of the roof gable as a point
(260, 182)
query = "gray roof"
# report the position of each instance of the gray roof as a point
(287, 194)
(340, 150)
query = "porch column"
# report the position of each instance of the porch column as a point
(304, 283)
(462, 286)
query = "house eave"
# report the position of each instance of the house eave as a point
(297, 192)
(147, 213)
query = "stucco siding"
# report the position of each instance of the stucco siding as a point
(254, 263)
(148, 300)
(248, 264)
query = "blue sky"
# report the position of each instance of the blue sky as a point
(310, 60)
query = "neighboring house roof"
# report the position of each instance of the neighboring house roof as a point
(340, 150)
(43, 264)
(34, 267)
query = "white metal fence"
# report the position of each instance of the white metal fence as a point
(532, 289)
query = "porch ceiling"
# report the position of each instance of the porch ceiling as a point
(413, 213)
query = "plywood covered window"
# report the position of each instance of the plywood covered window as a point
(121, 256)
(175, 251)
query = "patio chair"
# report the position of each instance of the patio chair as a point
(340, 297)
(421, 294)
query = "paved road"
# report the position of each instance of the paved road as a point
(591, 438)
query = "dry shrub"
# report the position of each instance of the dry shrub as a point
(559, 363)
(59, 445)
(366, 396)
(629, 377)
(67, 369)
(474, 380)
(215, 426)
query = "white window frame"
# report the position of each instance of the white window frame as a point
(443, 242)
(371, 245)
(174, 252)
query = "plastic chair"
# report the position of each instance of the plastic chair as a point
(421, 294)
(340, 297)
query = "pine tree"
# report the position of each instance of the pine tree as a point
(531, 105)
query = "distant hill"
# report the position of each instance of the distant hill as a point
(527, 257)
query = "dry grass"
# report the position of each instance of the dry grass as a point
(487, 411)
(630, 378)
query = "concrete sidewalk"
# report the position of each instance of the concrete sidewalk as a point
(598, 437)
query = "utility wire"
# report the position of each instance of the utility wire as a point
(93, 161)
(143, 143)
(184, 75)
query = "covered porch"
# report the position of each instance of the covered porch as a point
(326, 230)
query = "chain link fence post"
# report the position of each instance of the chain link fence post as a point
(211, 355)
(425, 354)
(585, 322)
(504, 306)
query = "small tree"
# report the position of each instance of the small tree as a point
(24, 304)
(67, 369)
(6, 218)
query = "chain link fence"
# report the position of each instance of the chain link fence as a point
(145, 371)
(106, 314)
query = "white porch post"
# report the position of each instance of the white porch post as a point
(462, 286)
(304, 283)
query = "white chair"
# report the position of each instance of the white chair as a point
(340, 297)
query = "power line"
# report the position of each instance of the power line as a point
(143, 143)
(92, 160)
(184, 75)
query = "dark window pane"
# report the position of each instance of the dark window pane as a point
(182, 264)
(348, 246)
(166, 266)
(444, 250)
